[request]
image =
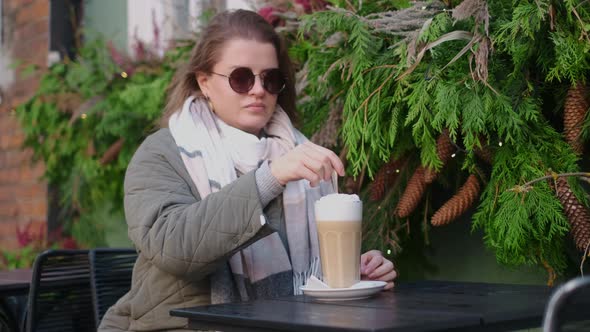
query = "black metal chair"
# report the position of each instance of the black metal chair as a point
(60, 299)
(7, 320)
(111, 270)
(569, 307)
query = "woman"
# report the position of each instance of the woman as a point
(217, 202)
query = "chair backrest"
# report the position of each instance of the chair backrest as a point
(569, 307)
(59, 297)
(111, 270)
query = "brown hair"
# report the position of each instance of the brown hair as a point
(238, 24)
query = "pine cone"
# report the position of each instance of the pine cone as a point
(577, 214)
(444, 150)
(575, 108)
(458, 204)
(413, 194)
(384, 179)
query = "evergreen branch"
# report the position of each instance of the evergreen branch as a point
(356, 82)
(365, 102)
(383, 202)
(584, 259)
(435, 85)
(476, 38)
(528, 186)
(583, 33)
(339, 62)
(362, 175)
(483, 81)
(550, 271)
(459, 149)
(405, 21)
(379, 67)
(453, 35)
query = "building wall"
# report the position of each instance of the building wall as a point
(23, 196)
(126, 22)
(25, 38)
(235, 4)
(107, 18)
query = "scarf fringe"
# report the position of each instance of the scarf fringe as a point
(299, 279)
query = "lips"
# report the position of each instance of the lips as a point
(259, 107)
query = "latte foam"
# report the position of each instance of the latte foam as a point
(339, 207)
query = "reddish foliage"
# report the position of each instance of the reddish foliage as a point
(38, 238)
(120, 59)
(312, 5)
(268, 13)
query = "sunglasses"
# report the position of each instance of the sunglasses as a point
(242, 79)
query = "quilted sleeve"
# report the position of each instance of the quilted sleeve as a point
(179, 233)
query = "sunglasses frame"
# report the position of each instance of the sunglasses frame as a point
(262, 76)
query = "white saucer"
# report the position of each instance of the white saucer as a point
(360, 290)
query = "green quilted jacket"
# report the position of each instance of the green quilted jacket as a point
(180, 238)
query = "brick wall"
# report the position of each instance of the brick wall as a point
(23, 195)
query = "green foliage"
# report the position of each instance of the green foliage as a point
(569, 65)
(24, 258)
(32, 240)
(399, 91)
(82, 108)
(526, 227)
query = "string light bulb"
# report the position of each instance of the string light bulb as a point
(500, 143)
(124, 74)
(83, 116)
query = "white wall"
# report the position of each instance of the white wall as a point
(235, 4)
(6, 72)
(175, 18)
(139, 21)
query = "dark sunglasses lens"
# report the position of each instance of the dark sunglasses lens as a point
(241, 80)
(273, 81)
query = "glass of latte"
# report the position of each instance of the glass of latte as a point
(338, 219)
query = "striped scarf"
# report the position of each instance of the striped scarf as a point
(212, 151)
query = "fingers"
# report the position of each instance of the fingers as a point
(386, 269)
(328, 158)
(375, 267)
(315, 163)
(371, 265)
(307, 161)
(321, 161)
(309, 174)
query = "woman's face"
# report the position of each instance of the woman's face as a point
(249, 111)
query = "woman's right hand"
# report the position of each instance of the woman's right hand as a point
(307, 161)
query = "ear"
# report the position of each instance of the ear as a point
(203, 81)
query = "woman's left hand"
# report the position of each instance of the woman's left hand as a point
(376, 267)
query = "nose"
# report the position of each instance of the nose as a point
(257, 88)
